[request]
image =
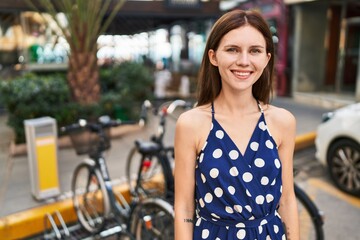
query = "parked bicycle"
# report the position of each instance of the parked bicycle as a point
(151, 161)
(95, 202)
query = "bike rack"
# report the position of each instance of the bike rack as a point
(55, 232)
(56, 228)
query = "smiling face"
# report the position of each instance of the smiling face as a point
(240, 57)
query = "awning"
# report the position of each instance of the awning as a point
(140, 16)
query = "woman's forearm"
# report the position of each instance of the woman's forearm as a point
(184, 225)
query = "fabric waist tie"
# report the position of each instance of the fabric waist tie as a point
(239, 224)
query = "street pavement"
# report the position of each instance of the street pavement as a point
(15, 187)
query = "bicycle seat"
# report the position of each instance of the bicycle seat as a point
(147, 147)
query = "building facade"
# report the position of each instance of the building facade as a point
(324, 47)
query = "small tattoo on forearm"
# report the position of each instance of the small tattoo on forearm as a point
(188, 220)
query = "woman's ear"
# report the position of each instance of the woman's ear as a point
(268, 57)
(212, 57)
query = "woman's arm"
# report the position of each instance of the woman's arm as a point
(185, 158)
(288, 205)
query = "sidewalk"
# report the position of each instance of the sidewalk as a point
(15, 189)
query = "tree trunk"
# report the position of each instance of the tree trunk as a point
(83, 77)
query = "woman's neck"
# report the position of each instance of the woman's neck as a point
(239, 104)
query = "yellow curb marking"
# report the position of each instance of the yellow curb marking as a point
(332, 190)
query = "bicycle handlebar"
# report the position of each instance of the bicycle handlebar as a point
(177, 103)
(106, 122)
(103, 122)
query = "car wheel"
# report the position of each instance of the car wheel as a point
(344, 165)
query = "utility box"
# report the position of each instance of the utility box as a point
(42, 151)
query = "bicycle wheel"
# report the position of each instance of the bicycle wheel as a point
(309, 217)
(145, 175)
(90, 198)
(153, 219)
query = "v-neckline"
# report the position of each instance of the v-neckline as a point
(250, 139)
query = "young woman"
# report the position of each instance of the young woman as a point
(234, 151)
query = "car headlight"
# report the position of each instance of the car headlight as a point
(327, 116)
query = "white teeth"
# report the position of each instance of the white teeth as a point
(242, 74)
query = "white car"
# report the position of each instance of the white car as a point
(338, 147)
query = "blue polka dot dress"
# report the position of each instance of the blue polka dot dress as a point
(237, 195)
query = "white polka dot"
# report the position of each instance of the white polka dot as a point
(260, 229)
(198, 222)
(238, 208)
(248, 208)
(201, 201)
(219, 134)
(252, 218)
(203, 178)
(217, 153)
(269, 198)
(240, 225)
(264, 181)
(259, 162)
(273, 182)
(205, 234)
(248, 193)
(217, 238)
(234, 172)
(233, 154)
(269, 144)
(268, 237)
(241, 234)
(212, 126)
(229, 209)
(218, 192)
(277, 163)
(214, 215)
(254, 146)
(201, 158)
(262, 126)
(276, 229)
(259, 199)
(208, 198)
(283, 237)
(231, 190)
(214, 173)
(247, 177)
(263, 222)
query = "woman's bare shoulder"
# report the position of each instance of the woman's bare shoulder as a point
(280, 115)
(281, 123)
(194, 117)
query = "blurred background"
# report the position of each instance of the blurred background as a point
(108, 56)
(317, 40)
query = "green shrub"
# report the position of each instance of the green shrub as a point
(124, 88)
(30, 96)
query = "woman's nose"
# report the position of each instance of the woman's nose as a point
(242, 59)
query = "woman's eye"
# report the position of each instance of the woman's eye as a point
(255, 50)
(232, 50)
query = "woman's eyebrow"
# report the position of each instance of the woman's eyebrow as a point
(257, 46)
(236, 46)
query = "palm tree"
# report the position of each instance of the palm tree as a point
(86, 21)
